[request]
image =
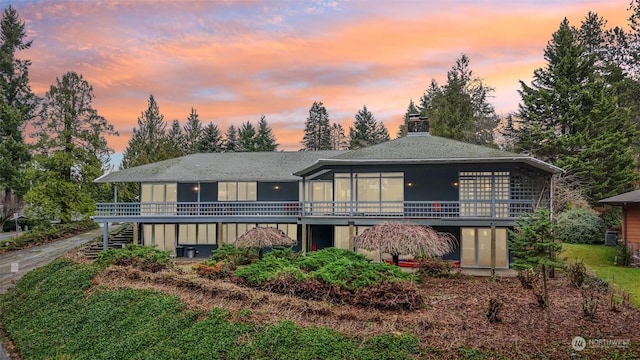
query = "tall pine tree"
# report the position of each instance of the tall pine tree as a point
(210, 141)
(17, 105)
(366, 131)
(317, 130)
(232, 141)
(339, 140)
(175, 140)
(71, 151)
(148, 143)
(247, 136)
(570, 116)
(265, 140)
(460, 109)
(192, 133)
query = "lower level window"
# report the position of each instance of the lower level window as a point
(476, 247)
(197, 234)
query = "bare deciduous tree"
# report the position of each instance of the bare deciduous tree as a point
(405, 239)
(263, 237)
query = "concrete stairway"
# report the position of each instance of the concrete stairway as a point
(116, 240)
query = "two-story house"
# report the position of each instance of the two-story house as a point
(324, 198)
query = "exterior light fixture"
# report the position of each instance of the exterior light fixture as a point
(455, 184)
(276, 187)
(410, 184)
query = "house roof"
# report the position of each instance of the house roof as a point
(629, 197)
(244, 166)
(289, 166)
(425, 149)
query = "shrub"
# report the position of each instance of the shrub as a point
(527, 277)
(212, 270)
(44, 234)
(590, 296)
(354, 275)
(233, 257)
(284, 252)
(266, 269)
(317, 259)
(434, 268)
(580, 226)
(493, 310)
(142, 257)
(623, 255)
(577, 273)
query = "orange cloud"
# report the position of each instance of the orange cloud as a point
(234, 61)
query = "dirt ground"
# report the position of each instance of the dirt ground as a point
(453, 318)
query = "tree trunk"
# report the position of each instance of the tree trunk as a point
(546, 298)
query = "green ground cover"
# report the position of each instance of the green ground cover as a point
(599, 259)
(51, 315)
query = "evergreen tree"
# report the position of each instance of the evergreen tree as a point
(192, 133)
(426, 100)
(265, 141)
(339, 140)
(460, 109)
(366, 131)
(71, 151)
(247, 137)
(615, 61)
(534, 246)
(148, 144)
(411, 110)
(570, 116)
(232, 142)
(210, 141)
(14, 79)
(175, 140)
(17, 104)
(317, 130)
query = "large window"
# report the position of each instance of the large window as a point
(161, 235)
(237, 191)
(197, 234)
(480, 192)
(320, 197)
(158, 198)
(371, 192)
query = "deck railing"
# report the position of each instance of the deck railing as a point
(393, 209)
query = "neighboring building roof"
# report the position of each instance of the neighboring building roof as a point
(630, 197)
(238, 166)
(424, 149)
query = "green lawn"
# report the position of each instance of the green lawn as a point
(599, 260)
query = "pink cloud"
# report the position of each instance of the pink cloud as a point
(236, 60)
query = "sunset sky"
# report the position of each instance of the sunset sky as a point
(235, 60)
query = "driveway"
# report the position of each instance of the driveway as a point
(14, 264)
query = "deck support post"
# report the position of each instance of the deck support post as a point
(305, 241)
(105, 236)
(352, 232)
(493, 250)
